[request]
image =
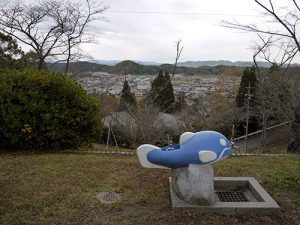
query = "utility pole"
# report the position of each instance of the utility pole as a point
(248, 98)
(232, 134)
(110, 130)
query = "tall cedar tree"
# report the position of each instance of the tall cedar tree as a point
(168, 94)
(127, 101)
(157, 88)
(162, 93)
(249, 76)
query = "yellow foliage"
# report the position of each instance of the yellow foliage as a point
(225, 93)
(27, 129)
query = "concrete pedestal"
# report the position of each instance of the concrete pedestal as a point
(258, 201)
(194, 184)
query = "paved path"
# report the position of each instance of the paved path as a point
(275, 134)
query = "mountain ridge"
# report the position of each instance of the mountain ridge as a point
(134, 68)
(131, 67)
(196, 63)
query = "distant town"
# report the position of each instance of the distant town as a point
(103, 82)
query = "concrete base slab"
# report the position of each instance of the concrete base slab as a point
(256, 199)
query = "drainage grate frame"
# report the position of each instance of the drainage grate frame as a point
(108, 197)
(232, 196)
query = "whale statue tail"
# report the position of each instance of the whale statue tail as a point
(142, 152)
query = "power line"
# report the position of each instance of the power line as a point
(176, 13)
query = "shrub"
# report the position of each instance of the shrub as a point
(40, 110)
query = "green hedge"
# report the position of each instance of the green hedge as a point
(40, 110)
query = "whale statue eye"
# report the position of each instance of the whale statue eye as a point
(222, 141)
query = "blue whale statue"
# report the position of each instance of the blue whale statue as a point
(194, 148)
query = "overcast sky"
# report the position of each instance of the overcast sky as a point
(132, 34)
(146, 30)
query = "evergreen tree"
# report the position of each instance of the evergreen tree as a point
(168, 94)
(249, 76)
(157, 89)
(10, 52)
(127, 100)
(162, 93)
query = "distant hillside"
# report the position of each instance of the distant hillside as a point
(130, 67)
(77, 67)
(194, 64)
(115, 62)
(221, 63)
(105, 62)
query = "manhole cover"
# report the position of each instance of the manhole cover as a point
(108, 197)
(232, 196)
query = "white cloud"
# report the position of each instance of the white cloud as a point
(151, 36)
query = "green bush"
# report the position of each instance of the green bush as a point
(40, 110)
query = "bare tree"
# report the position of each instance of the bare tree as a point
(278, 43)
(147, 128)
(179, 49)
(273, 95)
(78, 17)
(196, 114)
(51, 28)
(285, 40)
(24, 22)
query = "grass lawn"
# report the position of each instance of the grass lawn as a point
(61, 188)
(278, 148)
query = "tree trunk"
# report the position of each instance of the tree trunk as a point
(294, 145)
(264, 130)
(69, 56)
(40, 64)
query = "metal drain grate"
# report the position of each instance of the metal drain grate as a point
(108, 197)
(232, 196)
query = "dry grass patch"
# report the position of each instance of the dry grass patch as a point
(61, 188)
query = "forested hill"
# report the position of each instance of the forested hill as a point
(130, 67)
